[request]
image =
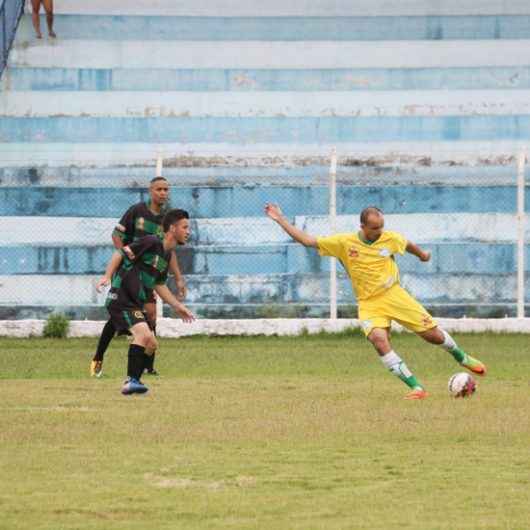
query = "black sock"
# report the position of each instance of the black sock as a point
(106, 336)
(150, 361)
(135, 364)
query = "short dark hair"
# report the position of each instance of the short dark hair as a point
(172, 216)
(368, 211)
(156, 179)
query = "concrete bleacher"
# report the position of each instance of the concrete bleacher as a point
(427, 105)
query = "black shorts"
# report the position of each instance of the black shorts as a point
(125, 319)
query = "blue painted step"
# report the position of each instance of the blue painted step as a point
(469, 258)
(203, 202)
(248, 131)
(203, 173)
(266, 79)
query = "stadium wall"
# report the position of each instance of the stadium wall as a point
(173, 328)
(426, 102)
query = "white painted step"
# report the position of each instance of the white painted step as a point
(278, 54)
(264, 104)
(269, 155)
(307, 8)
(420, 227)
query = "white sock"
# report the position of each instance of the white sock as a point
(396, 365)
(449, 343)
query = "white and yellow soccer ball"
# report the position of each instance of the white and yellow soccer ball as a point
(462, 384)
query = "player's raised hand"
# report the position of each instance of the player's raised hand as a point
(425, 256)
(273, 211)
(102, 282)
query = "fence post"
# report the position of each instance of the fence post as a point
(333, 228)
(159, 302)
(521, 161)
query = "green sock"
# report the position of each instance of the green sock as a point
(396, 365)
(450, 345)
(459, 355)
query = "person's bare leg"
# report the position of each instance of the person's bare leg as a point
(48, 7)
(380, 339)
(150, 309)
(440, 337)
(35, 4)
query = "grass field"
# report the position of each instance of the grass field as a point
(269, 433)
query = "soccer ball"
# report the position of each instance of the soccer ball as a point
(461, 384)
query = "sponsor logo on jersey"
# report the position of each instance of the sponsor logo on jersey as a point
(353, 252)
(384, 252)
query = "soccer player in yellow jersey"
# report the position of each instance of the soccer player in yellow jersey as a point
(368, 257)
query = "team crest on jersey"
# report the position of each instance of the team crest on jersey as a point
(138, 314)
(384, 252)
(353, 252)
(140, 222)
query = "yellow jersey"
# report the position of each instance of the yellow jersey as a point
(371, 266)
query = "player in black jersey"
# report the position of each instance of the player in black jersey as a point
(144, 218)
(134, 272)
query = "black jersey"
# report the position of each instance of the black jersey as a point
(145, 264)
(139, 221)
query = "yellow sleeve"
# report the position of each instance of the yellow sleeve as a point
(331, 245)
(400, 243)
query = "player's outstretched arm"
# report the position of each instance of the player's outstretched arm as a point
(412, 248)
(179, 278)
(182, 311)
(274, 212)
(112, 267)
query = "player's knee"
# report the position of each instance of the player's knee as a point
(379, 339)
(142, 335)
(433, 335)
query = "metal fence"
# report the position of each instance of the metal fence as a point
(10, 13)
(468, 209)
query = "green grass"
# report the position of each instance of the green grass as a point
(270, 433)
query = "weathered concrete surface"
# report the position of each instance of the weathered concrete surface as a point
(265, 79)
(263, 290)
(275, 130)
(255, 54)
(373, 154)
(311, 171)
(172, 328)
(231, 8)
(56, 104)
(278, 28)
(421, 227)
